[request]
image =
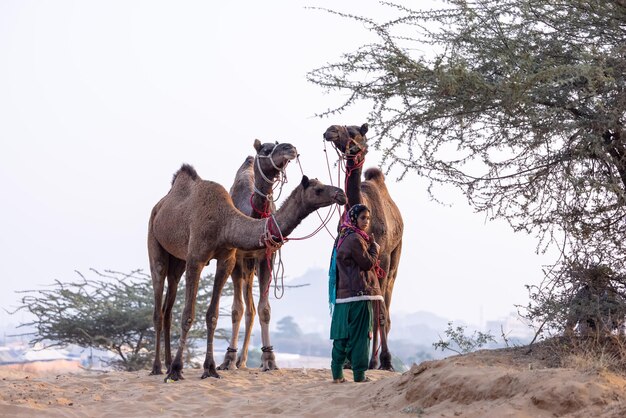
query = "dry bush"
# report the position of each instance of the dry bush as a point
(591, 354)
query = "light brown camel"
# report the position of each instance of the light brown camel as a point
(197, 222)
(386, 223)
(272, 159)
(252, 194)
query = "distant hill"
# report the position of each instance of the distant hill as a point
(306, 300)
(307, 303)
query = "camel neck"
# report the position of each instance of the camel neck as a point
(261, 200)
(291, 212)
(353, 181)
(247, 234)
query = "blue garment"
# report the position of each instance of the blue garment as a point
(332, 280)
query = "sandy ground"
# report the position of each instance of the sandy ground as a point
(489, 383)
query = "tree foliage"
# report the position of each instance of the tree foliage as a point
(520, 104)
(288, 327)
(460, 343)
(112, 311)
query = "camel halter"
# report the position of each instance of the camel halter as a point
(282, 176)
(268, 239)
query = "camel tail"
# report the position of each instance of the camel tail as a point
(374, 174)
(187, 170)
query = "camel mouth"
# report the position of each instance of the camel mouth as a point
(293, 154)
(286, 152)
(333, 134)
(340, 197)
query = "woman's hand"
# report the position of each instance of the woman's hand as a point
(373, 242)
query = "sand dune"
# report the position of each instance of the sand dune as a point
(489, 383)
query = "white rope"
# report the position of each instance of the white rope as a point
(268, 238)
(276, 183)
(279, 269)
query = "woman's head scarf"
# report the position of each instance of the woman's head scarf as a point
(354, 212)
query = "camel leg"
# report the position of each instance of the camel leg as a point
(377, 325)
(391, 280)
(268, 360)
(175, 271)
(248, 285)
(376, 332)
(385, 355)
(230, 358)
(222, 272)
(158, 270)
(192, 278)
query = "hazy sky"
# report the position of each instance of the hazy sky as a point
(101, 102)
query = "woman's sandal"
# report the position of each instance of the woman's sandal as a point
(367, 379)
(342, 380)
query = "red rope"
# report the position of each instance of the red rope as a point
(265, 213)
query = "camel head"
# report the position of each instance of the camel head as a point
(350, 140)
(316, 194)
(272, 158)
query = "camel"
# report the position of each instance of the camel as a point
(252, 194)
(197, 222)
(386, 223)
(272, 159)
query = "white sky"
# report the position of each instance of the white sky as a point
(101, 102)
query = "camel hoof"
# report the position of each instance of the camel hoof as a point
(227, 365)
(373, 364)
(269, 366)
(385, 362)
(173, 377)
(210, 373)
(268, 360)
(242, 364)
(229, 361)
(156, 371)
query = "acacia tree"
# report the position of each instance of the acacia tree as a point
(520, 104)
(112, 312)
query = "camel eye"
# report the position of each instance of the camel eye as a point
(318, 192)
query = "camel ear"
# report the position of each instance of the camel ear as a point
(364, 129)
(257, 145)
(305, 182)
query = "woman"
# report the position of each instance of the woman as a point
(353, 286)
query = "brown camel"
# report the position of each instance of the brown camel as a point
(197, 222)
(272, 158)
(386, 223)
(252, 194)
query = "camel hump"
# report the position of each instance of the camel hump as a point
(374, 174)
(187, 170)
(248, 162)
